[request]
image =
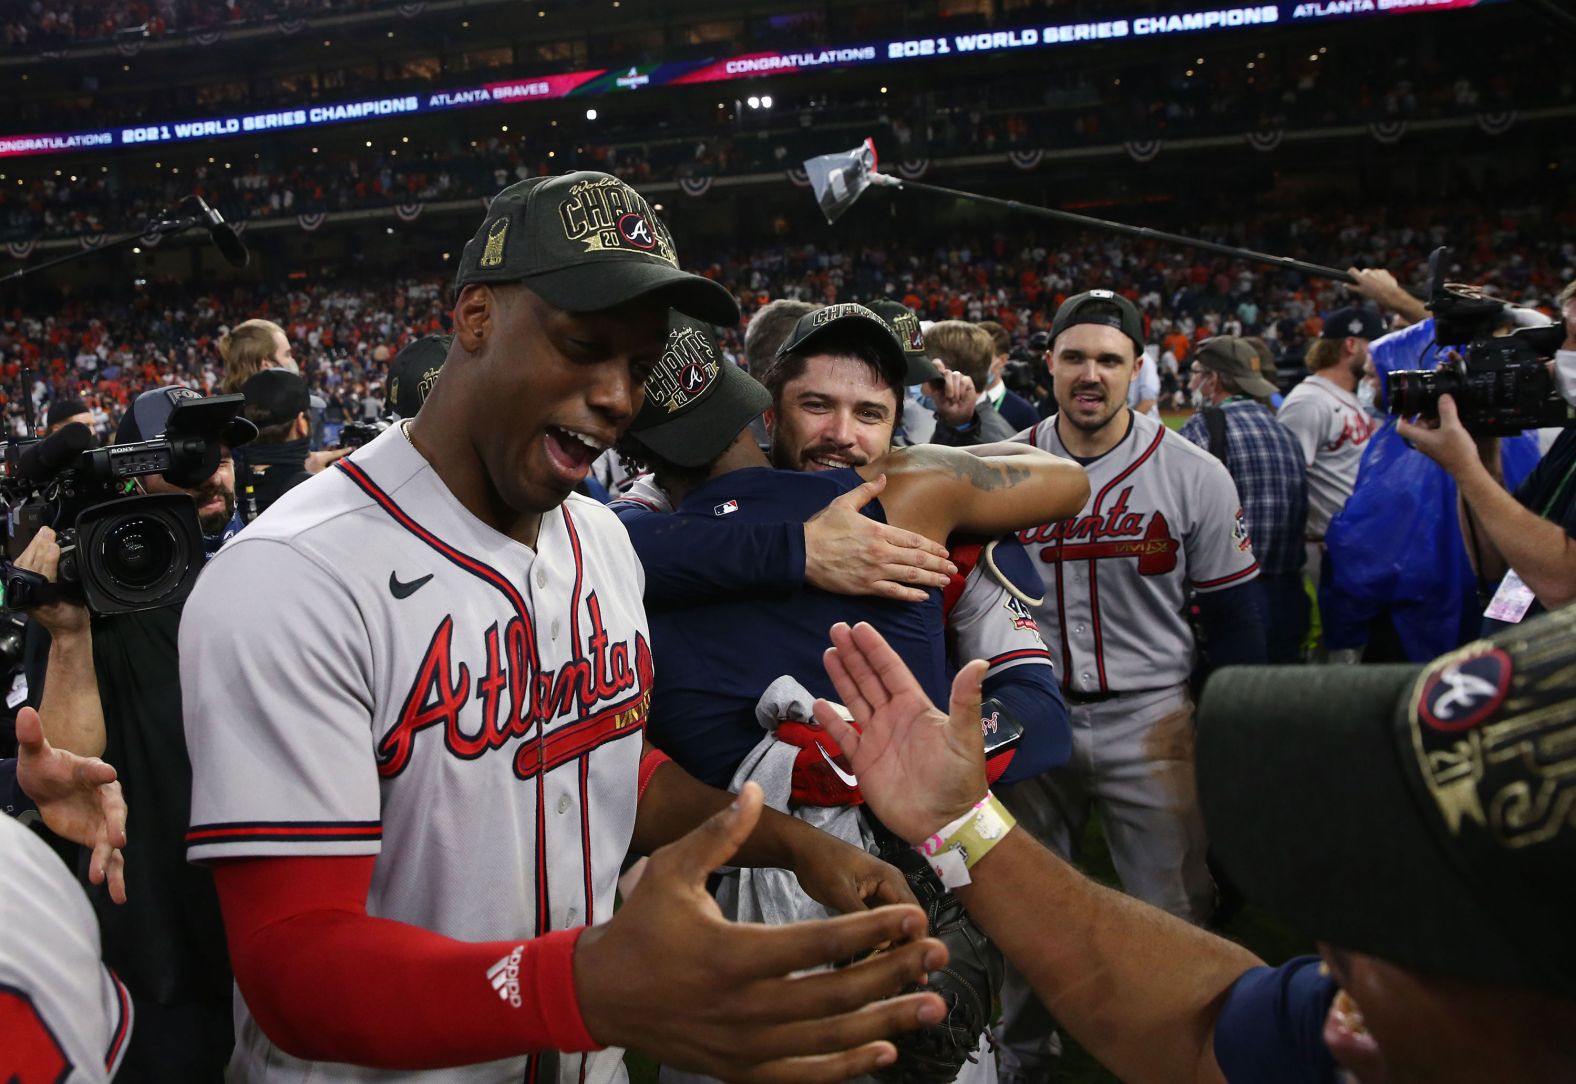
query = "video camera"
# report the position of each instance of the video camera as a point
(119, 552)
(357, 434)
(1499, 382)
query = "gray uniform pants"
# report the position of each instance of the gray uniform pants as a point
(1132, 754)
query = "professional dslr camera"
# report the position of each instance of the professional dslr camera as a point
(120, 552)
(1499, 382)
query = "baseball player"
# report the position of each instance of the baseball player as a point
(740, 528)
(1163, 522)
(1329, 422)
(415, 695)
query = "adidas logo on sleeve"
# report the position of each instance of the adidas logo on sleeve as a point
(505, 976)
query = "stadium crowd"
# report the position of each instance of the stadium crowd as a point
(1068, 110)
(107, 350)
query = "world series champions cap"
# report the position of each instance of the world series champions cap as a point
(697, 401)
(903, 321)
(585, 242)
(414, 371)
(1096, 307)
(849, 323)
(1425, 815)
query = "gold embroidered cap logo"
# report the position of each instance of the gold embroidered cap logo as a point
(1495, 737)
(492, 255)
(606, 215)
(689, 365)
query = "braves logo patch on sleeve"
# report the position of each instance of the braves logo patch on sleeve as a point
(1239, 532)
(1021, 617)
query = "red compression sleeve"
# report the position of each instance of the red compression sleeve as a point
(328, 982)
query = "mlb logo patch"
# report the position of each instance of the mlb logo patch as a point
(725, 507)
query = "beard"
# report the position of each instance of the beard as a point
(213, 523)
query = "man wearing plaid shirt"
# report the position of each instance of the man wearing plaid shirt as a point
(1266, 463)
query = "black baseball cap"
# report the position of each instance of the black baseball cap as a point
(1421, 814)
(848, 322)
(697, 401)
(1235, 358)
(61, 409)
(905, 324)
(150, 413)
(274, 397)
(1094, 307)
(413, 372)
(1354, 320)
(585, 242)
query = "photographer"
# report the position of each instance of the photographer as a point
(112, 689)
(1526, 537)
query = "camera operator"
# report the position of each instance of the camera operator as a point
(62, 412)
(1526, 537)
(112, 689)
(277, 402)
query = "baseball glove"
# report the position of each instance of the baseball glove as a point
(970, 982)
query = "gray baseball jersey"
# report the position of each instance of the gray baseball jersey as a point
(370, 670)
(1163, 517)
(993, 619)
(64, 1016)
(1333, 429)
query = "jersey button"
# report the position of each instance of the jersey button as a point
(563, 804)
(541, 577)
(557, 626)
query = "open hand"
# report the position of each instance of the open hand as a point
(851, 554)
(918, 768)
(78, 799)
(669, 976)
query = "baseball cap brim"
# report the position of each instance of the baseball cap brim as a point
(1309, 814)
(921, 369)
(605, 284)
(694, 438)
(868, 330)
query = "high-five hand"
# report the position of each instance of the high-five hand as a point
(918, 768)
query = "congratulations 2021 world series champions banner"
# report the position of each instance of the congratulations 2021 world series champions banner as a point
(745, 66)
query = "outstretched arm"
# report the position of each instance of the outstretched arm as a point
(1138, 988)
(993, 489)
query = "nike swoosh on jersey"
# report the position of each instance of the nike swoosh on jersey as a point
(404, 590)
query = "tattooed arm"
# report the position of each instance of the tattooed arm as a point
(990, 490)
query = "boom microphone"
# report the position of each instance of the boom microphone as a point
(224, 236)
(42, 461)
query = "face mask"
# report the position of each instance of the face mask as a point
(1198, 399)
(1565, 374)
(1367, 396)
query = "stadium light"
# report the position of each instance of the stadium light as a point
(766, 101)
(590, 114)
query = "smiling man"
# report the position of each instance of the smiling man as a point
(416, 823)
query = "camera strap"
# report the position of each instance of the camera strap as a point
(1559, 491)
